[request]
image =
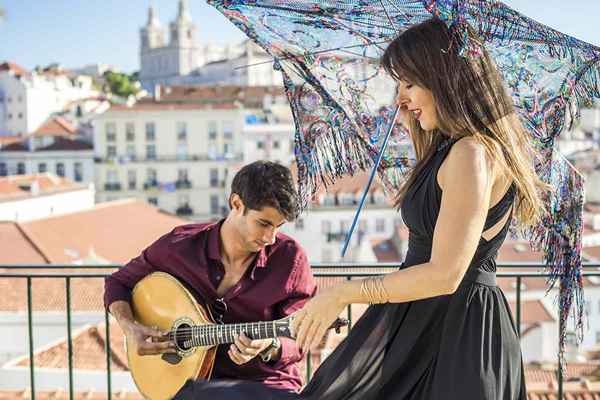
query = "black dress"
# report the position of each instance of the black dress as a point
(454, 347)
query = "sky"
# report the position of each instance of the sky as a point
(75, 33)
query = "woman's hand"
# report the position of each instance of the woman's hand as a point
(312, 321)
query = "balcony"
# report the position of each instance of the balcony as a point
(183, 184)
(184, 210)
(81, 286)
(151, 184)
(112, 187)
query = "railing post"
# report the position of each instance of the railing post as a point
(108, 357)
(30, 328)
(349, 309)
(560, 365)
(69, 339)
(519, 306)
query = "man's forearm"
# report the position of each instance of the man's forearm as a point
(122, 312)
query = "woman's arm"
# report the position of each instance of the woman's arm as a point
(466, 178)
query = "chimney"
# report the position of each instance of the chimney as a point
(157, 92)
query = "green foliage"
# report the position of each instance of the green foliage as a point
(119, 84)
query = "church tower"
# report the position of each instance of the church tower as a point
(152, 35)
(182, 47)
(152, 39)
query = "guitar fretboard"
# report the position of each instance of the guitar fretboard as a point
(210, 335)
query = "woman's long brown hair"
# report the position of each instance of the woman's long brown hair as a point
(470, 100)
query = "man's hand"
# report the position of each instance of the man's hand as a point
(148, 341)
(245, 349)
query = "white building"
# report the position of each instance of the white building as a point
(268, 141)
(175, 150)
(54, 147)
(30, 197)
(322, 229)
(182, 61)
(28, 99)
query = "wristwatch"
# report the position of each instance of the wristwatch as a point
(267, 353)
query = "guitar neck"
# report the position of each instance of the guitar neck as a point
(211, 335)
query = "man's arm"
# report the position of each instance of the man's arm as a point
(117, 300)
(303, 289)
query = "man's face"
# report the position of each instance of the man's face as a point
(257, 228)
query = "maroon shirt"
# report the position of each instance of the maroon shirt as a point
(277, 283)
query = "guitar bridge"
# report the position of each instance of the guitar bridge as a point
(171, 358)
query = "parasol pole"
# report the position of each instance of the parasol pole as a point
(373, 172)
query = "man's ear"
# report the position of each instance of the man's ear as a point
(236, 203)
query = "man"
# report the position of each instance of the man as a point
(242, 268)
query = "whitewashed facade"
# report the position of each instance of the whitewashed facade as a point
(27, 101)
(176, 158)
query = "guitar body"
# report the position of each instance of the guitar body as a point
(159, 300)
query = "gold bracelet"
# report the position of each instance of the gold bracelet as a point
(373, 290)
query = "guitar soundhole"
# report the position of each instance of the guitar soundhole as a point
(182, 335)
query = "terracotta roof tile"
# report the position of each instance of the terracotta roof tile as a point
(112, 232)
(20, 186)
(88, 350)
(55, 126)
(115, 231)
(532, 311)
(16, 69)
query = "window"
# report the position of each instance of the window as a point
(181, 131)
(183, 199)
(150, 131)
(597, 336)
(299, 224)
(112, 176)
(276, 144)
(227, 130)
(3, 171)
(20, 168)
(20, 115)
(380, 225)
(130, 149)
(20, 98)
(130, 131)
(153, 201)
(212, 130)
(151, 152)
(42, 168)
(260, 145)
(325, 226)
(78, 172)
(9, 115)
(151, 174)
(111, 131)
(363, 226)
(111, 151)
(214, 204)
(182, 175)
(182, 151)
(214, 177)
(131, 179)
(228, 149)
(60, 169)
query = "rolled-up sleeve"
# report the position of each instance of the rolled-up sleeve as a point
(303, 289)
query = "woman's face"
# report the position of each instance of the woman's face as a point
(418, 101)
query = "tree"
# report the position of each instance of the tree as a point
(120, 84)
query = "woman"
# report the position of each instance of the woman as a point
(440, 328)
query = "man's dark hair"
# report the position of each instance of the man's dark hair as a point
(266, 184)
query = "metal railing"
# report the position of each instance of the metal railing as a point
(321, 270)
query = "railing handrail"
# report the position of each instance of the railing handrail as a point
(510, 264)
